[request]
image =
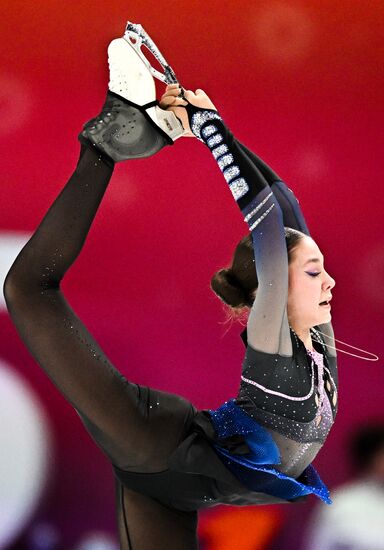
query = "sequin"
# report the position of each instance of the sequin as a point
(302, 432)
(257, 208)
(208, 130)
(295, 458)
(225, 161)
(289, 397)
(214, 140)
(239, 188)
(260, 219)
(200, 118)
(231, 173)
(219, 151)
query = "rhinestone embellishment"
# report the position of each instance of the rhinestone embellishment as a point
(255, 210)
(208, 130)
(260, 219)
(214, 140)
(219, 151)
(224, 161)
(231, 173)
(239, 188)
(200, 118)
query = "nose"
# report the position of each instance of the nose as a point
(329, 282)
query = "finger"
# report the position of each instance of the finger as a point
(168, 95)
(171, 86)
(199, 91)
(168, 101)
(173, 91)
(189, 95)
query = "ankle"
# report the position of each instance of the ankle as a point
(90, 150)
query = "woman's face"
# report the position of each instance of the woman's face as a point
(309, 285)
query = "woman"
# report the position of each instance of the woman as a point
(169, 459)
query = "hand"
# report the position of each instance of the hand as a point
(170, 100)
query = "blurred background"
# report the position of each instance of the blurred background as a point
(299, 82)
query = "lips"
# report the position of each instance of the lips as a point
(326, 302)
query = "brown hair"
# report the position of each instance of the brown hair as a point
(236, 284)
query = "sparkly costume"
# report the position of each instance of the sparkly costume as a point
(288, 396)
(169, 459)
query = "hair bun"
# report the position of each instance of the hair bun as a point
(228, 288)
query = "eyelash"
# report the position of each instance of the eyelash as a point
(313, 274)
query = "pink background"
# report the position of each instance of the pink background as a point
(301, 84)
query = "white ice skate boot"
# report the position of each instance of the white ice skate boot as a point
(131, 123)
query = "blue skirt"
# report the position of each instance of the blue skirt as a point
(255, 469)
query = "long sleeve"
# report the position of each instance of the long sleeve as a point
(293, 217)
(292, 214)
(268, 329)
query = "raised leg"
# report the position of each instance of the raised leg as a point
(136, 427)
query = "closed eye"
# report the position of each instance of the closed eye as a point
(313, 273)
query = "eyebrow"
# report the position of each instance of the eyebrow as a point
(312, 260)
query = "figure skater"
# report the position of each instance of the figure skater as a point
(170, 459)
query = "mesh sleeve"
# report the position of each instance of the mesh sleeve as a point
(293, 217)
(268, 329)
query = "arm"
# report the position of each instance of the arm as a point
(293, 217)
(292, 214)
(268, 329)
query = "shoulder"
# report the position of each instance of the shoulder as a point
(271, 369)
